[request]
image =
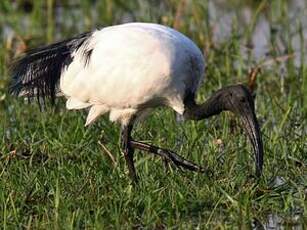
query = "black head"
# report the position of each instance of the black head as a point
(236, 98)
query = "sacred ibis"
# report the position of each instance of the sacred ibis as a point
(128, 70)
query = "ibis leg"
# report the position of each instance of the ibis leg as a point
(128, 150)
(166, 155)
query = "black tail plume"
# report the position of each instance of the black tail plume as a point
(37, 73)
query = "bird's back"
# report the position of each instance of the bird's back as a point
(132, 64)
(128, 68)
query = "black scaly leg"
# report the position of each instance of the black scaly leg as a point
(128, 145)
(128, 150)
(167, 155)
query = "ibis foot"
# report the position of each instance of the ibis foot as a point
(167, 155)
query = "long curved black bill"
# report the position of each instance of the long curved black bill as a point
(241, 102)
(252, 129)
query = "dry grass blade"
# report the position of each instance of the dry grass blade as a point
(254, 71)
(279, 59)
(108, 153)
(252, 77)
(179, 13)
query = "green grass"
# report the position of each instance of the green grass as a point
(55, 174)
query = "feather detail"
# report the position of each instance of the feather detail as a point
(37, 73)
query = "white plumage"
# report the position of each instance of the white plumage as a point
(133, 67)
(126, 71)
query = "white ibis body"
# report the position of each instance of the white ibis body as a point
(126, 71)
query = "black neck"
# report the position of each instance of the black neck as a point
(213, 106)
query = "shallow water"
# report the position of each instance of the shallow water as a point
(267, 28)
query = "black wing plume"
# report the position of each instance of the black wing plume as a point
(37, 73)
